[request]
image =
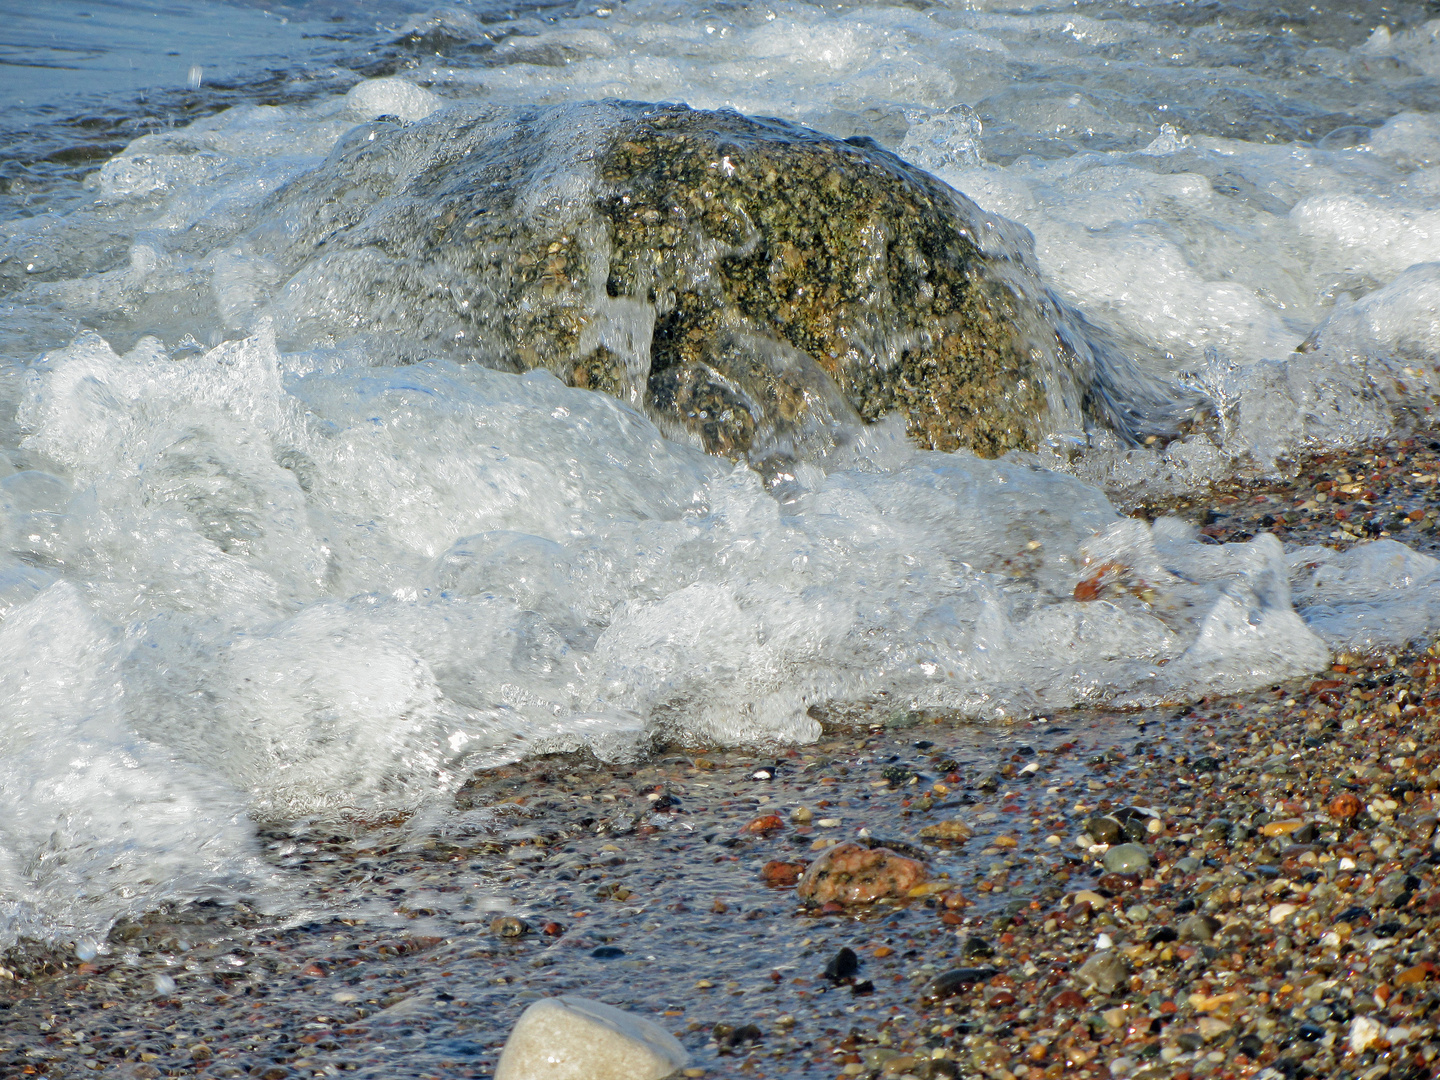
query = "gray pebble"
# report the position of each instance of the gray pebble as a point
(1106, 971)
(1199, 928)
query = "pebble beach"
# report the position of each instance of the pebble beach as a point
(1236, 887)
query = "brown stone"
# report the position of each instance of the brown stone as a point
(1344, 806)
(765, 824)
(1115, 882)
(947, 831)
(1412, 975)
(1280, 828)
(850, 874)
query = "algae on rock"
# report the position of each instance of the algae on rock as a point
(757, 285)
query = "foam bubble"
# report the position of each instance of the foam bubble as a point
(1376, 595)
(391, 96)
(1400, 320)
(1376, 234)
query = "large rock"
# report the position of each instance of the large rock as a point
(575, 1038)
(748, 281)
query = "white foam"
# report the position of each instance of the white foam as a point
(97, 822)
(358, 584)
(1378, 235)
(1408, 139)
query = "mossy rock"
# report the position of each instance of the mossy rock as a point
(757, 285)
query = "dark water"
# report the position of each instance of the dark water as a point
(80, 79)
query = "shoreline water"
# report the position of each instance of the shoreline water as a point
(1289, 938)
(1317, 896)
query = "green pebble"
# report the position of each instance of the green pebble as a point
(1127, 859)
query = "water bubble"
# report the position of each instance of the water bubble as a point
(164, 984)
(943, 140)
(86, 948)
(1169, 141)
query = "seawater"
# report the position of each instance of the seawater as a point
(248, 578)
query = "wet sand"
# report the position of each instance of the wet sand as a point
(1283, 926)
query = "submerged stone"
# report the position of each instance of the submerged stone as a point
(955, 981)
(850, 874)
(575, 1038)
(754, 285)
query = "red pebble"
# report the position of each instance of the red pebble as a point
(554, 929)
(779, 873)
(768, 823)
(1068, 999)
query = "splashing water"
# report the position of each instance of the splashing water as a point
(242, 582)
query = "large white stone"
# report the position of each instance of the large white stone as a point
(575, 1038)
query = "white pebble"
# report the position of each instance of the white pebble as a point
(1280, 912)
(1363, 1032)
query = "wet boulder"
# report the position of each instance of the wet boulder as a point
(755, 286)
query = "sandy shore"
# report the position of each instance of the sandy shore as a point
(1280, 925)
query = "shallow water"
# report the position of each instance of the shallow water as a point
(253, 573)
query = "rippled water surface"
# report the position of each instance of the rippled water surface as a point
(250, 573)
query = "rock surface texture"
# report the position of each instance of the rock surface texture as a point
(750, 282)
(575, 1038)
(850, 874)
